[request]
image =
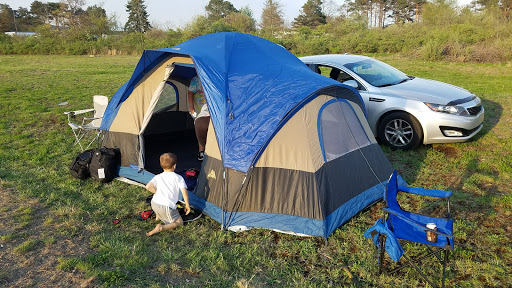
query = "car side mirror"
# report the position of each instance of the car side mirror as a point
(352, 83)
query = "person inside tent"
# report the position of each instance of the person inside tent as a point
(198, 108)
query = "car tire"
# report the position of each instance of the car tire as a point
(400, 130)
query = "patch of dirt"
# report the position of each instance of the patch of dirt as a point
(36, 267)
(448, 151)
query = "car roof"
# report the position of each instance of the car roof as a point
(335, 59)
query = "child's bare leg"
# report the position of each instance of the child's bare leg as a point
(159, 227)
(201, 127)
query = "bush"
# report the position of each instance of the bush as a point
(155, 39)
(76, 48)
(489, 53)
(6, 46)
(457, 52)
(432, 50)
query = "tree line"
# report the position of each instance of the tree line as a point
(433, 30)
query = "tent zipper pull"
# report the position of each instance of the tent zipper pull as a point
(231, 115)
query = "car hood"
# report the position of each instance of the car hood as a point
(426, 90)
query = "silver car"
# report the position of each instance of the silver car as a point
(404, 111)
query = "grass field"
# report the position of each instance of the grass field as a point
(56, 231)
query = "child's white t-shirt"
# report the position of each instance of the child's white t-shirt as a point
(168, 185)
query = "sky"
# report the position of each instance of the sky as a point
(174, 14)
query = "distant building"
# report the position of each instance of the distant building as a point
(21, 34)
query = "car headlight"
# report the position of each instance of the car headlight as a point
(450, 109)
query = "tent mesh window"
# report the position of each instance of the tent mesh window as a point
(340, 130)
(168, 99)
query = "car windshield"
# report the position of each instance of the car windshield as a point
(377, 73)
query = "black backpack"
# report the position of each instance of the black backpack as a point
(104, 164)
(79, 168)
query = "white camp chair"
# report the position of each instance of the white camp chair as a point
(89, 125)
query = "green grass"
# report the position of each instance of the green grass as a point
(7, 237)
(36, 149)
(23, 216)
(25, 247)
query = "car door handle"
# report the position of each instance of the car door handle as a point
(377, 99)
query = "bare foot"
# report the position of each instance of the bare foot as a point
(158, 228)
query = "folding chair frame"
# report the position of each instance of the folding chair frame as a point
(80, 131)
(93, 124)
(443, 260)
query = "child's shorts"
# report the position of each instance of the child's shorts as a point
(165, 213)
(203, 113)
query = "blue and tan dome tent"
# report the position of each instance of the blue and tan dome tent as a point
(287, 149)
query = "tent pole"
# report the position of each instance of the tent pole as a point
(223, 199)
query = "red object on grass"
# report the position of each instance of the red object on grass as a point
(192, 173)
(146, 214)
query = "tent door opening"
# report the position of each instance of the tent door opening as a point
(170, 128)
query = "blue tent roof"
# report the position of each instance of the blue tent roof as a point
(250, 85)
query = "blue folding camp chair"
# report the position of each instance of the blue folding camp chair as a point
(413, 227)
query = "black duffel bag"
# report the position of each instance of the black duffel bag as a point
(105, 164)
(79, 168)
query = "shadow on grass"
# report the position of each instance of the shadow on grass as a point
(408, 163)
(493, 113)
(479, 191)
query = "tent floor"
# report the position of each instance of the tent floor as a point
(181, 143)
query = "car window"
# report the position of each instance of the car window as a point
(377, 73)
(324, 70)
(338, 75)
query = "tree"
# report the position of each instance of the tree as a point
(375, 12)
(24, 20)
(418, 5)
(439, 13)
(74, 11)
(59, 14)
(137, 17)
(311, 15)
(40, 11)
(241, 22)
(96, 12)
(330, 9)
(96, 21)
(218, 9)
(199, 26)
(6, 18)
(504, 5)
(380, 11)
(402, 11)
(272, 18)
(507, 7)
(246, 10)
(49, 13)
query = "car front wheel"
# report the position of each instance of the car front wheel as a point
(400, 130)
